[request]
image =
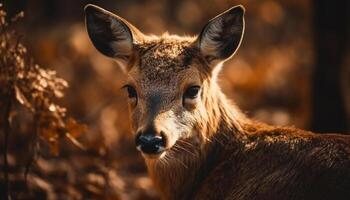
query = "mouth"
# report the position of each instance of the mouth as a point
(153, 156)
(154, 150)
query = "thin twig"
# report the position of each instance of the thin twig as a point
(34, 148)
(7, 132)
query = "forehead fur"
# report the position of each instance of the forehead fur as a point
(162, 57)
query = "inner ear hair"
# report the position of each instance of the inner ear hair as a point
(222, 35)
(112, 35)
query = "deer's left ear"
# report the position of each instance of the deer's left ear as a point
(221, 37)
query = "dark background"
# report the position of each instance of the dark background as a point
(293, 68)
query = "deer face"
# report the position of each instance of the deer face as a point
(170, 79)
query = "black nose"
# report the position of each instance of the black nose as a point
(150, 143)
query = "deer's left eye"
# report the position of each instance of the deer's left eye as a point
(192, 92)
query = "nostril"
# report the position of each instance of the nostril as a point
(151, 144)
(137, 138)
(162, 135)
(148, 139)
(158, 140)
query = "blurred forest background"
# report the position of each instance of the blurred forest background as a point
(293, 68)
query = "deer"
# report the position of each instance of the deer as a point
(196, 143)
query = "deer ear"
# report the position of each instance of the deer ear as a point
(221, 37)
(112, 35)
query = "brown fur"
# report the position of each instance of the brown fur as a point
(213, 150)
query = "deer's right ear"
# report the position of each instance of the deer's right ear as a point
(112, 35)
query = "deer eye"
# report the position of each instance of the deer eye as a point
(192, 92)
(131, 91)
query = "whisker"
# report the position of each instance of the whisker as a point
(187, 143)
(179, 147)
(181, 162)
(177, 159)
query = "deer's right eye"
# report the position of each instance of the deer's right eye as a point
(132, 94)
(131, 91)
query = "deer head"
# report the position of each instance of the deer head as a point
(171, 80)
